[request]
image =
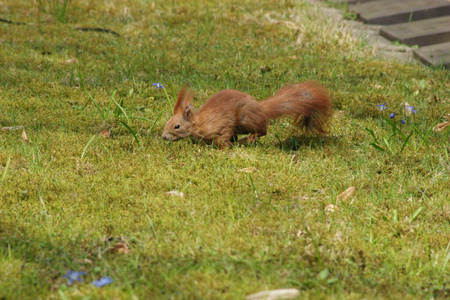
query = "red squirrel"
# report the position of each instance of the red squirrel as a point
(229, 113)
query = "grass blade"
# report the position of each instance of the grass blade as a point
(87, 145)
(421, 135)
(378, 147)
(119, 106)
(446, 261)
(387, 143)
(6, 168)
(371, 133)
(131, 131)
(91, 98)
(154, 123)
(141, 118)
(168, 97)
(424, 137)
(405, 142)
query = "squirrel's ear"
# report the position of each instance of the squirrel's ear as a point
(187, 114)
(184, 99)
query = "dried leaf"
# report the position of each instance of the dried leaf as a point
(301, 233)
(248, 170)
(377, 86)
(70, 61)
(339, 114)
(275, 294)
(120, 247)
(24, 136)
(347, 193)
(85, 261)
(300, 197)
(105, 133)
(175, 193)
(441, 126)
(288, 24)
(330, 208)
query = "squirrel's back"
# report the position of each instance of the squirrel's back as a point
(228, 112)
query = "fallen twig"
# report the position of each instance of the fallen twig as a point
(12, 22)
(98, 30)
(12, 128)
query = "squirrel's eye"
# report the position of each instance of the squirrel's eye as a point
(177, 126)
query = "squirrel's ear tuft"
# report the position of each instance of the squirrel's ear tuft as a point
(187, 114)
(184, 99)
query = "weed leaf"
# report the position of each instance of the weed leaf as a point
(131, 131)
(417, 213)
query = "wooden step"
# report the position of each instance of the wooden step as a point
(400, 11)
(435, 55)
(421, 33)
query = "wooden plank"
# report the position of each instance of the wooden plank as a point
(422, 33)
(350, 1)
(400, 11)
(434, 55)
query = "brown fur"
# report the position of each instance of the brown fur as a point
(229, 113)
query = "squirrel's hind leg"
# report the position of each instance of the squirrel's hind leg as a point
(250, 139)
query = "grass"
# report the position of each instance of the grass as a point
(252, 218)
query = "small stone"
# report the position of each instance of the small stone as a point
(275, 294)
(330, 208)
(175, 193)
(248, 170)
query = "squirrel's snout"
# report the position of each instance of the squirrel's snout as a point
(166, 137)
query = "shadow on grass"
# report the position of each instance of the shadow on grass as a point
(313, 142)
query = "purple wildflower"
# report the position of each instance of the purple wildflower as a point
(403, 121)
(158, 85)
(74, 276)
(382, 106)
(102, 281)
(391, 115)
(410, 109)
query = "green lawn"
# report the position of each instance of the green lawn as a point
(87, 189)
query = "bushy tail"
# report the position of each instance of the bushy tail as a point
(308, 103)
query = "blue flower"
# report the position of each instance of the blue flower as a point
(103, 281)
(74, 276)
(403, 121)
(382, 106)
(410, 109)
(391, 115)
(158, 85)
